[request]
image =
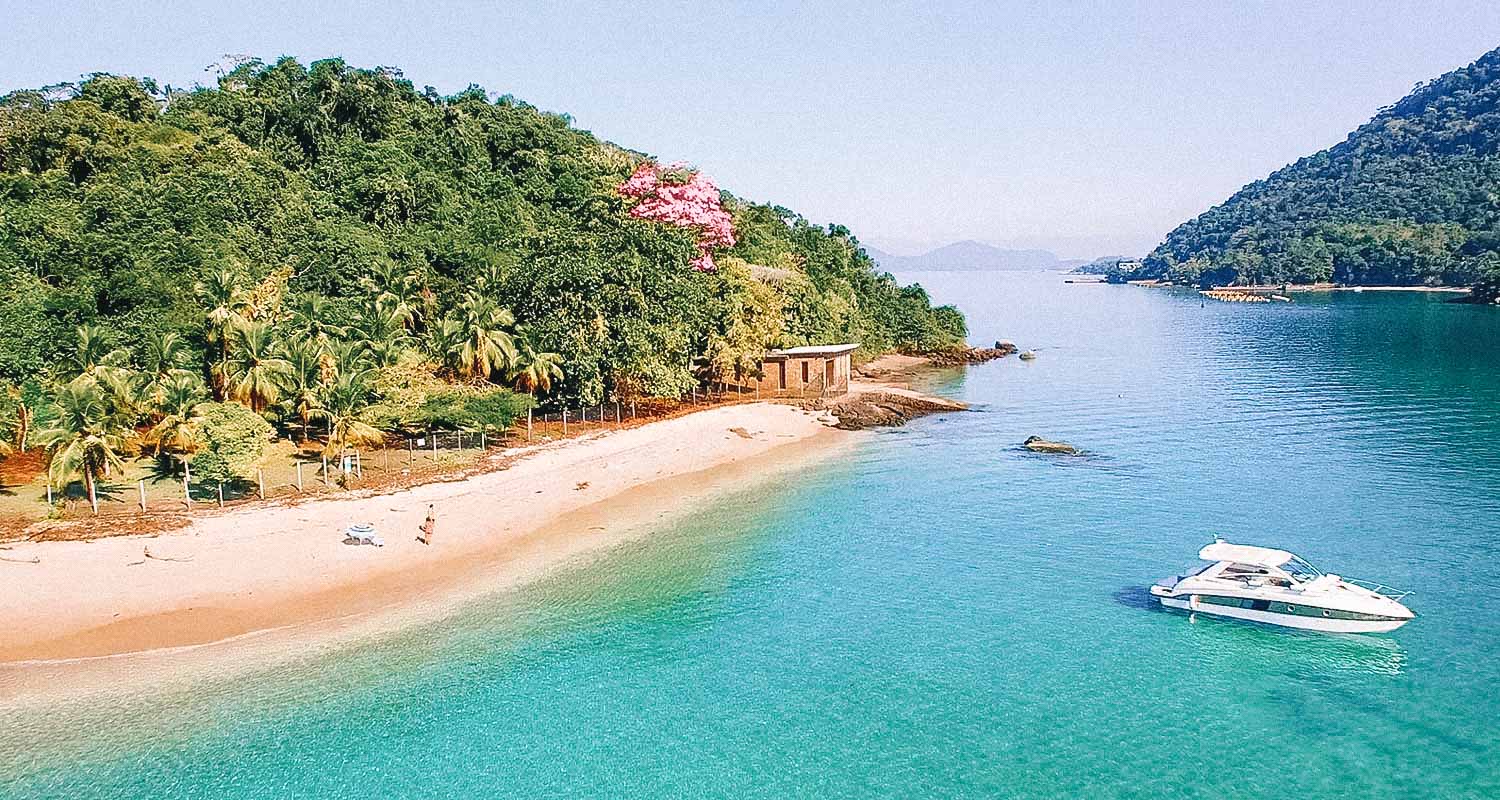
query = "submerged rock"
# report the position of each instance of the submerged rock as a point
(1037, 444)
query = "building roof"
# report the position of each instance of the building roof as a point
(813, 350)
(1245, 554)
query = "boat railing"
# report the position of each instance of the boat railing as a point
(1380, 589)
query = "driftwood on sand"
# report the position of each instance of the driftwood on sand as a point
(154, 557)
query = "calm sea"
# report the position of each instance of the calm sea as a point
(942, 614)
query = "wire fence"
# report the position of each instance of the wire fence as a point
(154, 489)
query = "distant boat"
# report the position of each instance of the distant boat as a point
(1260, 584)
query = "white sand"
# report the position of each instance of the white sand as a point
(254, 569)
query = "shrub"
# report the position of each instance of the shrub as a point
(471, 408)
(234, 438)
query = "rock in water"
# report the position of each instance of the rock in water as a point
(1037, 444)
(883, 409)
(1028, 356)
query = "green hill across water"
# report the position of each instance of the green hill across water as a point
(1410, 198)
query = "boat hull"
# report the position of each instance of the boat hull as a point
(1310, 623)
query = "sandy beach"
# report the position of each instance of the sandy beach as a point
(280, 568)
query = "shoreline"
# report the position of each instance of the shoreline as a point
(245, 589)
(264, 568)
(407, 602)
(1305, 288)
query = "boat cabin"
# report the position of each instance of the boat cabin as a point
(1256, 566)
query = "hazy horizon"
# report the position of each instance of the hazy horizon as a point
(1085, 132)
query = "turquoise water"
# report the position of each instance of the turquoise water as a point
(941, 614)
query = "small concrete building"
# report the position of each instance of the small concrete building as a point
(810, 370)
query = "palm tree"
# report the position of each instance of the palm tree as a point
(162, 352)
(304, 382)
(345, 428)
(82, 434)
(445, 340)
(227, 303)
(381, 330)
(163, 355)
(312, 317)
(346, 358)
(107, 366)
(399, 289)
(177, 430)
(253, 372)
(535, 370)
(20, 426)
(487, 346)
(92, 352)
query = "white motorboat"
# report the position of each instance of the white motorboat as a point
(1261, 584)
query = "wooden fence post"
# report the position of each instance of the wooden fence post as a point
(565, 422)
(324, 456)
(49, 494)
(140, 487)
(187, 495)
(528, 424)
(299, 476)
(260, 483)
(221, 494)
(434, 446)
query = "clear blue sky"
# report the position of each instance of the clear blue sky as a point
(1087, 128)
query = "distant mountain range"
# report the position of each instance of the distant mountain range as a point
(971, 256)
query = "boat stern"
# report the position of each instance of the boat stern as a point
(1166, 587)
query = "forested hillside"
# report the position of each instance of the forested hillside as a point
(335, 250)
(1412, 197)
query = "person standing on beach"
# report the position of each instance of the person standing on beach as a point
(428, 525)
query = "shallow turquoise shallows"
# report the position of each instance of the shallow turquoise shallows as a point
(942, 614)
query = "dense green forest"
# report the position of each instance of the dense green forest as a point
(339, 251)
(1410, 198)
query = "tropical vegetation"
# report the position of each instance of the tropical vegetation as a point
(341, 254)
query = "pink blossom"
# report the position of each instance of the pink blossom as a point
(641, 182)
(694, 204)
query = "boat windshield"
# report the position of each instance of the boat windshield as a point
(1301, 570)
(1253, 575)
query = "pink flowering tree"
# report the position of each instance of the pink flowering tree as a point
(686, 198)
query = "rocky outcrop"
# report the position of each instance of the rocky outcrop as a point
(1037, 444)
(883, 409)
(971, 355)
